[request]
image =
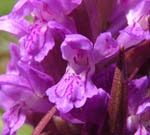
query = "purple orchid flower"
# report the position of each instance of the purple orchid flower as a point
(66, 57)
(76, 89)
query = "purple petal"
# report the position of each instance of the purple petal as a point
(34, 76)
(145, 115)
(62, 28)
(94, 110)
(14, 26)
(65, 6)
(140, 121)
(72, 90)
(13, 80)
(34, 100)
(132, 124)
(132, 35)
(139, 13)
(145, 118)
(12, 67)
(9, 102)
(137, 91)
(118, 17)
(14, 118)
(51, 9)
(143, 106)
(37, 43)
(142, 131)
(22, 9)
(105, 46)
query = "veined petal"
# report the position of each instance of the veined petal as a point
(37, 43)
(13, 118)
(72, 90)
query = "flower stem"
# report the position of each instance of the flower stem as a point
(44, 121)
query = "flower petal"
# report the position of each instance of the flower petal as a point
(14, 118)
(105, 46)
(13, 26)
(72, 90)
(77, 50)
(22, 9)
(94, 110)
(137, 92)
(37, 43)
(132, 35)
(13, 80)
(140, 10)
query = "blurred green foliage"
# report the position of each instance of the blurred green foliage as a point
(6, 6)
(5, 38)
(25, 130)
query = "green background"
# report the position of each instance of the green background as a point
(5, 38)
